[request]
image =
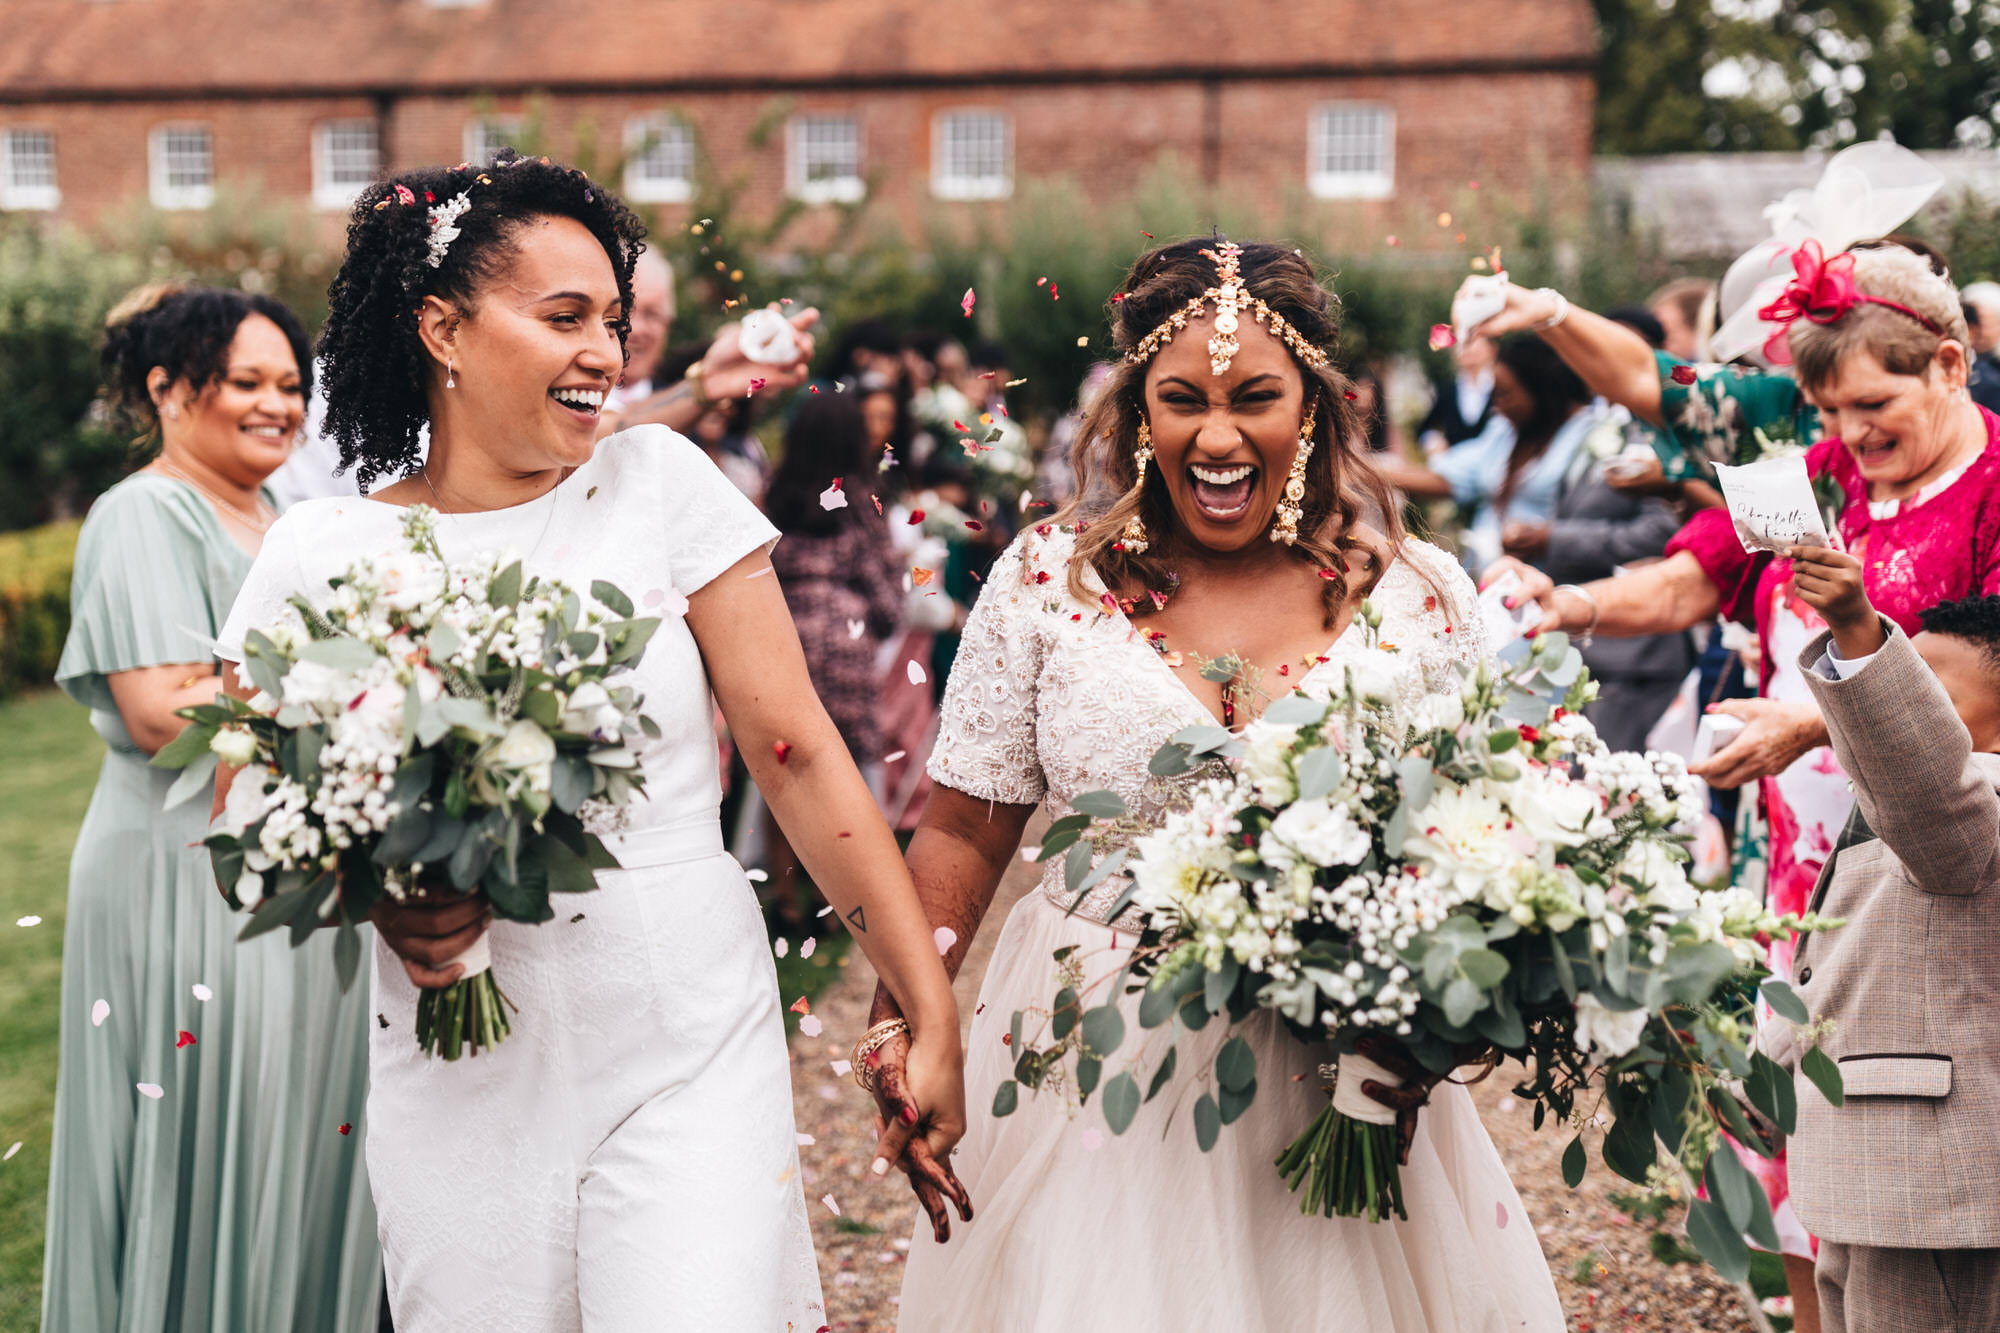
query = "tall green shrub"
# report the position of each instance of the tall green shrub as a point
(34, 603)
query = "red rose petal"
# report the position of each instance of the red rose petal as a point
(782, 749)
(185, 1038)
(1683, 374)
(347, 1129)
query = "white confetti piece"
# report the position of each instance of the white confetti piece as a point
(201, 992)
(917, 676)
(9, 1154)
(1030, 854)
(824, 910)
(886, 1257)
(1093, 1139)
(832, 1205)
(152, 1090)
(806, 949)
(29, 921)
(99, 1012)
(842, 1068)
(810, 1025)
(944, 937)
(782, 947)
(902, 1243)
(892, 758)
(833, 498)
(856, 628)
(758, 573)
(755, 876)
(807, 1140)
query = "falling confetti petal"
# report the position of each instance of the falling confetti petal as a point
(919, 576)
(782, 947)
(183, 1038)
(965, 302)
(29, 921)
(1030, 854)
(916, 672)
(892, 758)
(1442, 337)
(916, 517)
(810, 1025)
(806, 949)
(755, 876)
(842, 1068)
(944, 937)
(801, 1005)
(99, 1012)
(152, 1090)
(824, 910)
(346, 1130)
(807, 1140)
(1093, 1139)
(782, 749)
(831, 1206)
(856, 628)
(1500, 1215)
(8, 1155)
(831, 497)
(1684, 374)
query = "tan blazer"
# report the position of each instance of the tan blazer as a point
(1912, 981)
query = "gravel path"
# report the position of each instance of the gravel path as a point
(1608, 1280)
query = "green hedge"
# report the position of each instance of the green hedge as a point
(34, 603)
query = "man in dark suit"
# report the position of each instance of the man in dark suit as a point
(1981, 301)
(1463, 404)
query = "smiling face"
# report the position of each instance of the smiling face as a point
(1897, 427)
(243, 425)
(1223, 444)
(536, 353)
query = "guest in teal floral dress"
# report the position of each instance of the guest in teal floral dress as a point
(207, 1170)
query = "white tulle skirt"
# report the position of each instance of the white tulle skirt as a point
(1078, 1228)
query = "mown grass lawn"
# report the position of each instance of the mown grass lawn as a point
(49, 759)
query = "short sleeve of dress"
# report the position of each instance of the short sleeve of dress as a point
(710, 524)
(1467, 626)
(265, 598)
(149, 586)
(986, 723)
(1715, 414)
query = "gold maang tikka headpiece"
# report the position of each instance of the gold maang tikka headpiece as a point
(1231, 301)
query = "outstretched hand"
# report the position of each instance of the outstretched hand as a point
(1525, 309)
(727, 373)
(918, 1142)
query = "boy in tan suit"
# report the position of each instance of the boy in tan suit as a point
(1901, 1182)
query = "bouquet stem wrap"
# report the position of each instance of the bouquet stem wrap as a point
(1345, 1164)
(468, 1015)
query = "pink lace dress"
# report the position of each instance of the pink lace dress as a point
(1940, 544)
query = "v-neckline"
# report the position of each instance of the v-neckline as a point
(1134, 634)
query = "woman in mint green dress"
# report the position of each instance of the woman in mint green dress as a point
(207, 1170)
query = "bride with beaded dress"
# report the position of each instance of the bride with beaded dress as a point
(1073, 671)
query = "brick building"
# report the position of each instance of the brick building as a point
(1354, 107)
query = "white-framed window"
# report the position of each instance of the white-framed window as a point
(1352, 152)
(182, 166)
(972, 155)
(346, 157)
(823, 159)
(487, 135)
(659, 162)
(28, 169)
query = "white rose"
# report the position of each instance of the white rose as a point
(245, 804)
(234, 746)
(1555, 811)
(323, 688)
(1663, 874)
(1265, 765)
(374, 723)
(1376, 675)
(1441, 712)
(1326, 835)
(408, 579)
(1608, 1032)
(526, 748)
(591, 713)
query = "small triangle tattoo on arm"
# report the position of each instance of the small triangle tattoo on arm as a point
(858, 918)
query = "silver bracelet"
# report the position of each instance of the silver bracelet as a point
(1562, 309)
(1583, 639)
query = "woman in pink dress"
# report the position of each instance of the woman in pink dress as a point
(1910, 467)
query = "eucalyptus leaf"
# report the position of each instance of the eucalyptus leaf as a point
(609, 594)
(1729, 1185)
(572, 779)
(1629, 1148)
(346, 954)
(1099, 804)
(407, 832)
(1088, 1069)
(1156, 1006)
(1202, 739)
(1236, 1065)
(1163, 1073)
(1170, 761)
(198, 776)
(1483, 967)
(1763, 1228)
(1234, 1102)
(1064, 1016)
(1075, 866)
(1816, 1065)
(1462, 1000)
(631, 636)
(443, 840)
(1574, 1162)
(1721, 1244)
(1207, 1122)
(273, 912)
(341, 654)
(505, 589)
(1320, 771)
(1785, 1002)
(1005, 1098)
(1121, 1102)
(1103, 1029)
(473, 715)
(1419, 782)
(1294, 710)
(1216, 986)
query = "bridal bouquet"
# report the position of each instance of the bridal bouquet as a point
(434, 723)
(1476, 872)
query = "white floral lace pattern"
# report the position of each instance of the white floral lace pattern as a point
(1051, 697)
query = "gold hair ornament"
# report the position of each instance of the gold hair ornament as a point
(1232, 301)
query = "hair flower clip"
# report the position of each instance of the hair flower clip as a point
(1822, 290)
(444, 225)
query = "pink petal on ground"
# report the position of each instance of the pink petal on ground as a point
(832, 1206)
(944, 937)
(152, 1090)
(811, 1026)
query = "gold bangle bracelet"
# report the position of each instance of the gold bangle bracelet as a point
(873, 1040)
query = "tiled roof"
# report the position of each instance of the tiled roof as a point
(133, 48)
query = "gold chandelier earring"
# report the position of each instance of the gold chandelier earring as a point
(1286, 528)
(1133, 539)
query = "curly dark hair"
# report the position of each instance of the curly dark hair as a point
(1343, 492)
(371, 353)
(1974, 619)
(185, 331)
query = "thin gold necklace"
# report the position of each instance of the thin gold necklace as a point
(257, 522)
(561, 476)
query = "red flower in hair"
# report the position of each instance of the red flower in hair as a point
(1821, 290)
(404, 195)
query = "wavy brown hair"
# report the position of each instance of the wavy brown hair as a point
(1344, 495)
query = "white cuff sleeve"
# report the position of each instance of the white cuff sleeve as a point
(1835, 667)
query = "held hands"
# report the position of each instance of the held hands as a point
(429, 933)
(1829, 581)
(727, 373)
(1774, 736)
(908, 1078)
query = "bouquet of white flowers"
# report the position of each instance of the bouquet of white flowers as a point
(433, 723)
(1476, 872)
